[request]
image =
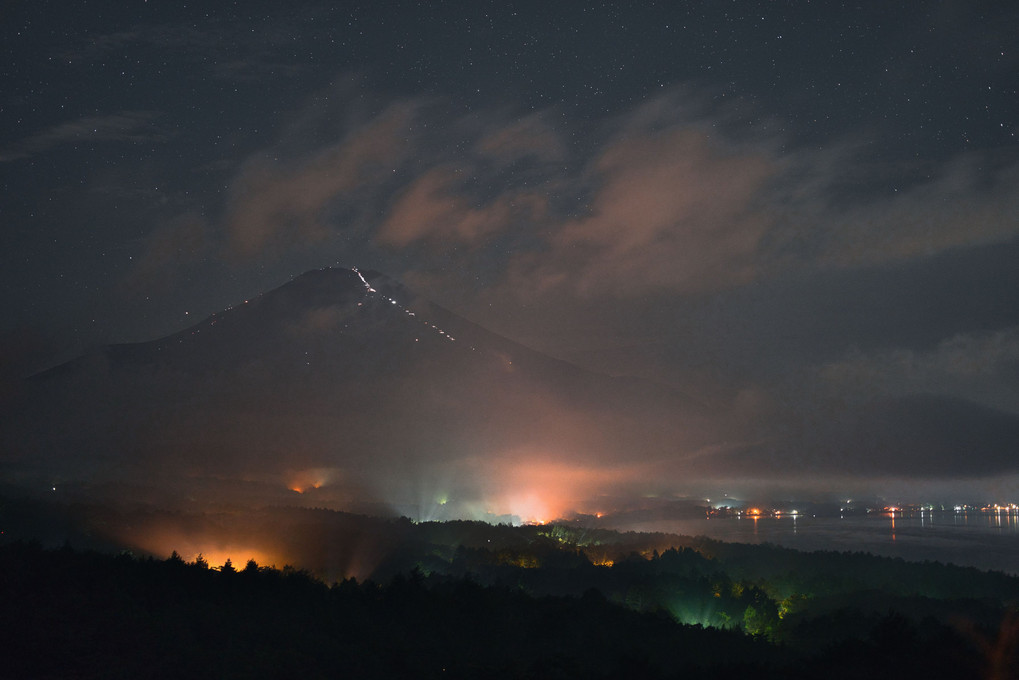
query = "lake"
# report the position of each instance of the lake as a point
(972, 539)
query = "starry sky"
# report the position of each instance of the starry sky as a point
(778, 208)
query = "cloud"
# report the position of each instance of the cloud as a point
(666, 199)
(434, 208)
(495, 178)
(170, 248)
(529, 137)
(273, 203)
(126, 126)
(915, 437)
(682, 208)
(672, 208)
(981, 367)
(962, 205)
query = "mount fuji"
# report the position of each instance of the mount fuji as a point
(342, 388)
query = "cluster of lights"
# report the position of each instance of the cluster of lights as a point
(758, 512)
(1011, 508)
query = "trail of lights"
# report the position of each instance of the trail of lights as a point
(372, 291)
(369, 291)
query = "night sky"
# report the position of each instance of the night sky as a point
(782, 209)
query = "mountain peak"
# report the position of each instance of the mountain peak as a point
(332, 285)
(328, 285)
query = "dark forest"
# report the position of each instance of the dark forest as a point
(468, 599)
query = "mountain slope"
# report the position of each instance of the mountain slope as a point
(345, 381)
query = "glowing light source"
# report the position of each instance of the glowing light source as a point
(303, 481)
(536, 488)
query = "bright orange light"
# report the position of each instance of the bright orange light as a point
(215, 552)
(302, 481)
(536, 488)
(238, 557)
(529, 506)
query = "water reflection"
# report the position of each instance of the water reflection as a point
(1002, 518)
(987, 540)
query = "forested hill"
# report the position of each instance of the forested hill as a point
(507, 603)
(72, 614)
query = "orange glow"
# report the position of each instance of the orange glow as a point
(216, 553)
(530, 506)
(238, 557)
(241, 537)
(302, 481)
(754, 512)
(537, 489)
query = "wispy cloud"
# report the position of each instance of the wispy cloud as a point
(171, 249)
(274, 205)
(671, 208)
(965, 202)
(982, 367)
(435, 208)
(126, 126)
(529, 137)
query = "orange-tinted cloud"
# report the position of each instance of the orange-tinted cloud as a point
(673, 209)
(274, 203)
(434, 209)
(529, 137)
(672, 202)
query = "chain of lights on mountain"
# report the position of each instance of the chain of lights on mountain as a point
(372, 291)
